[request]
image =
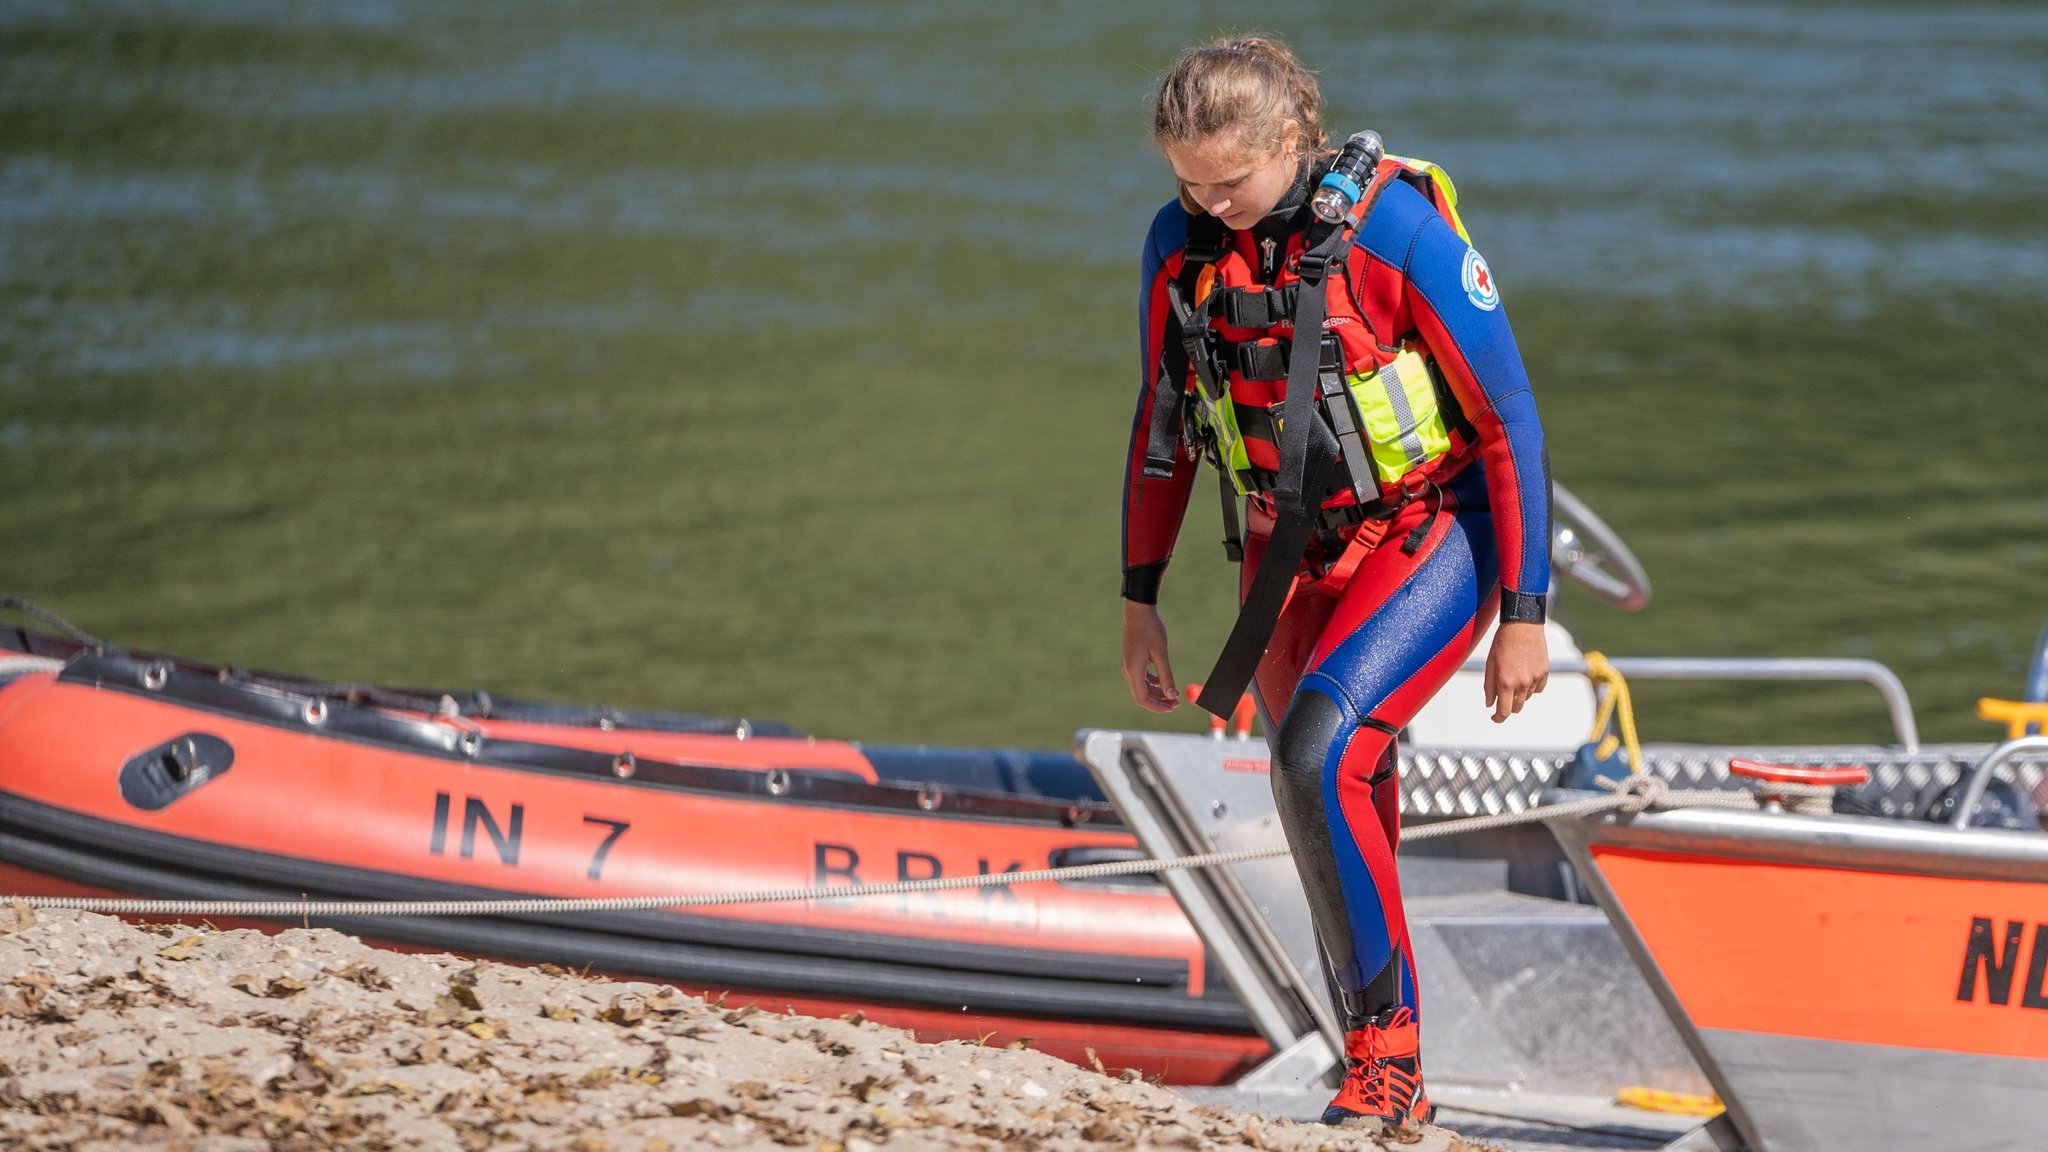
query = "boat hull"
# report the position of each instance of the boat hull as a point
(137, 777)
(1844, 982)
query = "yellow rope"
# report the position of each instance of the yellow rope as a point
(1614, 699)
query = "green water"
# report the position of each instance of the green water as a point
(777, 359)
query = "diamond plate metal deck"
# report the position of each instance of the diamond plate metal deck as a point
(1445, 782)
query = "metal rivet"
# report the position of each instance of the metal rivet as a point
(928, 798)
(471, 743)
(156, 675)
(778, 782)
(742, 730)
(1217, 808)
(316, 712)
(623, 765)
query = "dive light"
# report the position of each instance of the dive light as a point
(1348, 176)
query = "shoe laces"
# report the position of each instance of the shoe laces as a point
(1381, 1075)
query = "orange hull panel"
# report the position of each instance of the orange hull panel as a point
(1881, 957)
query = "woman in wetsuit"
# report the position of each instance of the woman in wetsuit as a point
(1442, 525)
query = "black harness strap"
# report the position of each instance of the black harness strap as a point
(1327, 245)
(1162, 439)
(1205, 245)
(1256, 617)
(1308, 451)
(1253, 307)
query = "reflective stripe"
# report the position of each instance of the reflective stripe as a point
(1411, 444)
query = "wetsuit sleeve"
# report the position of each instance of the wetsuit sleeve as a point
(1457, 309)
(1153, 505)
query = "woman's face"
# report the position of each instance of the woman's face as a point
(1231, 185)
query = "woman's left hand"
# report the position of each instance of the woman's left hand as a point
(1517, 667)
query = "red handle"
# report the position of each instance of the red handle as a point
(1795, 774)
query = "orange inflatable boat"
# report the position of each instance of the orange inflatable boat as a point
(127, 774)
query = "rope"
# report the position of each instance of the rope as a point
(53, 620)
(23, 665)
(1614, 699)
(1632, 795)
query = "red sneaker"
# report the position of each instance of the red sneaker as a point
(1382, 1073)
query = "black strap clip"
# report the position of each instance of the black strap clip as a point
(1256, 307)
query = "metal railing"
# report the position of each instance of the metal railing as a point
(1764, 668)
(1980, 776)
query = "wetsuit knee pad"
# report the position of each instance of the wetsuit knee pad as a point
(1314, 724)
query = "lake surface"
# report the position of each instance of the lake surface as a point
(777, 359)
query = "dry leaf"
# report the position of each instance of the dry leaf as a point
(363, 974)
(183, 949)
(625, 1009)
(481, 1030)
(700, 1107)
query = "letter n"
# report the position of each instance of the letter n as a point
(505, 840)
(2032, 995)
(1998, 967)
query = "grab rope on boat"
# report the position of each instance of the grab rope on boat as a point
(1635, 794)
(30, 608)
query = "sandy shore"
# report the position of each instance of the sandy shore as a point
(114, 1036)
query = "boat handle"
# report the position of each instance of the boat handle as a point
(1765, 668)
(1836, 777)
(1980, 776)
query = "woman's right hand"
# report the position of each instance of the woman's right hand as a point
(1145, 667)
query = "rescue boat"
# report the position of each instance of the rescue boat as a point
(140, 775)
(1844, 980)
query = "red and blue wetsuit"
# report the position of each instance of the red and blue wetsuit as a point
(1353, 659)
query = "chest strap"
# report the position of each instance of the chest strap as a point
(1271, 359)
(1253, 307)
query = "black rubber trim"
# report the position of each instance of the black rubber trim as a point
(1521, 607)
(474, 703)
(697, 950)
(1141, 584)
(276, 707)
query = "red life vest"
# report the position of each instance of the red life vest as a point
(1398, 426)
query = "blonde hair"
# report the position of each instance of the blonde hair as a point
(1249, 86)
